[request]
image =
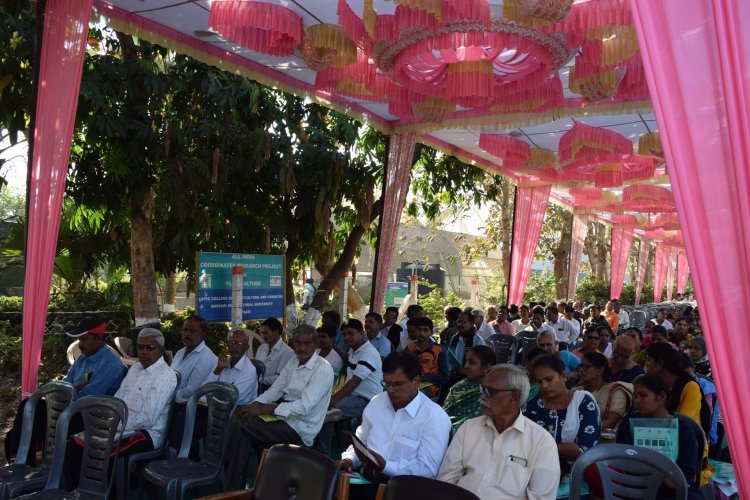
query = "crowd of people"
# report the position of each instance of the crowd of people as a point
(421, 400)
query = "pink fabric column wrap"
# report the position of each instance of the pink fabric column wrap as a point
(531, 203)
(696, 55)
(682, 272)
(661, 259)
(622, 242)
(671, 265)
(66, 25)
(400, 155)
(643, 250)
(580, 227)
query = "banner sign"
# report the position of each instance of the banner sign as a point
(395, 292)
(262, 285)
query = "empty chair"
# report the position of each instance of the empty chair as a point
(526, 341)
(505, 347)
(127, 462)
(19, 477)
(178, 475)
(628, 472)
(125, 346)
(101, 415)
(412, 487)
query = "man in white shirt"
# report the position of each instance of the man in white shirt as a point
(503, 455)
(274, 354)
(326, 338)
(661, 319)
(293, 408)
(483, 329)
(561, 327)
(413, 311)
(373, 328)
(622, 315)
(364, 379)
(194, 361)
(405, 432)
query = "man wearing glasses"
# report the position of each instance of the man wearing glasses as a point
(503, 454)
(403, 431)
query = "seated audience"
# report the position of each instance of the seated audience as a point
(699, 355)
(651, 401)
(463, 402)
(565, 331)
(503, 454)
(394, 329)
(524, 321)
(432, 357)
(501, 324)
(373, 327)
(595, 317)
(97, 371)
(274, 353)
(590, 343)
(404, 431)
(194, 361)
(326, 338)
(639, 353)
(483, 329)
(613, 319)
(661, 319)
(613, 398)
(297, 400)
(536, 323)
(605, 346)
(548, 342)
(451, 317)
(571, 417)
(531, 357)
(681, 332)
(413, 311)
(623, 368)
(460, 344)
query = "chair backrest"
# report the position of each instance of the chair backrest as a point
(57, 396)
(400, 487)
(628, 472)
(638, 319)
(526, 342)
(221, 398)
(294, 472)
(505, 347)
(700, 437)
(260, 369)
(101, 415)
(125, 346)
(73, 352)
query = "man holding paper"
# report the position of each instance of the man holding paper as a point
(291, 411)
(402, 431)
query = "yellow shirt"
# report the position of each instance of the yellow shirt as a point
(690, 401)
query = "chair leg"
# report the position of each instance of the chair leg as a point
(172, 490)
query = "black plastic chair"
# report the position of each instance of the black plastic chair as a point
(505, 347)
(178, 475)
(295, 472)
(101, 415)
(19, 477)
(411, 487)
(628, 472)
(127, 462)
(260, 369)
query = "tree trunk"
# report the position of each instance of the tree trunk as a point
(649, 276)
(595, 247)
(507, 206)
(289, 257)
(142, 272)
(171, 294)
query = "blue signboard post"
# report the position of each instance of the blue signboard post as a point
(262, 285)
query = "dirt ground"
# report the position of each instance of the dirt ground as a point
(10, 395)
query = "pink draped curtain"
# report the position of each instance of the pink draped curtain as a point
(531, 203)
(400, 155)
(66, 25)
(580, 227)
(696, 56)
(682, 272)
(643, 251)
(660, 270)
(622, 242)
(670, 273)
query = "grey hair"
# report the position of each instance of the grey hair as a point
(546, 333)
(247, 333)
(305, 329)
(152, 333)
(516, 379)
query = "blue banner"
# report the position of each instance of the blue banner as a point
(262, 286)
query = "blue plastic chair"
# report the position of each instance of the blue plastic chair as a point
(178, 475)
(628, 472)
(19, 477)
(127, 462)
(102, 416)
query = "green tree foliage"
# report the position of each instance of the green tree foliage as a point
(590, 289)
(435, 302)
(541, 286)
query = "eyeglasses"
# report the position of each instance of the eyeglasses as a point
(236, 342)
(393, 385)
(491, 391)
(148, 347)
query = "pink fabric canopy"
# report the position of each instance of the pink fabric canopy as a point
(622, 242)
(660, 270)
(682, 272)
(697, 62)
(672, 264)
(66, 27)
(580, 227)
(531, 203)
(643, 251)
(400, 155)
